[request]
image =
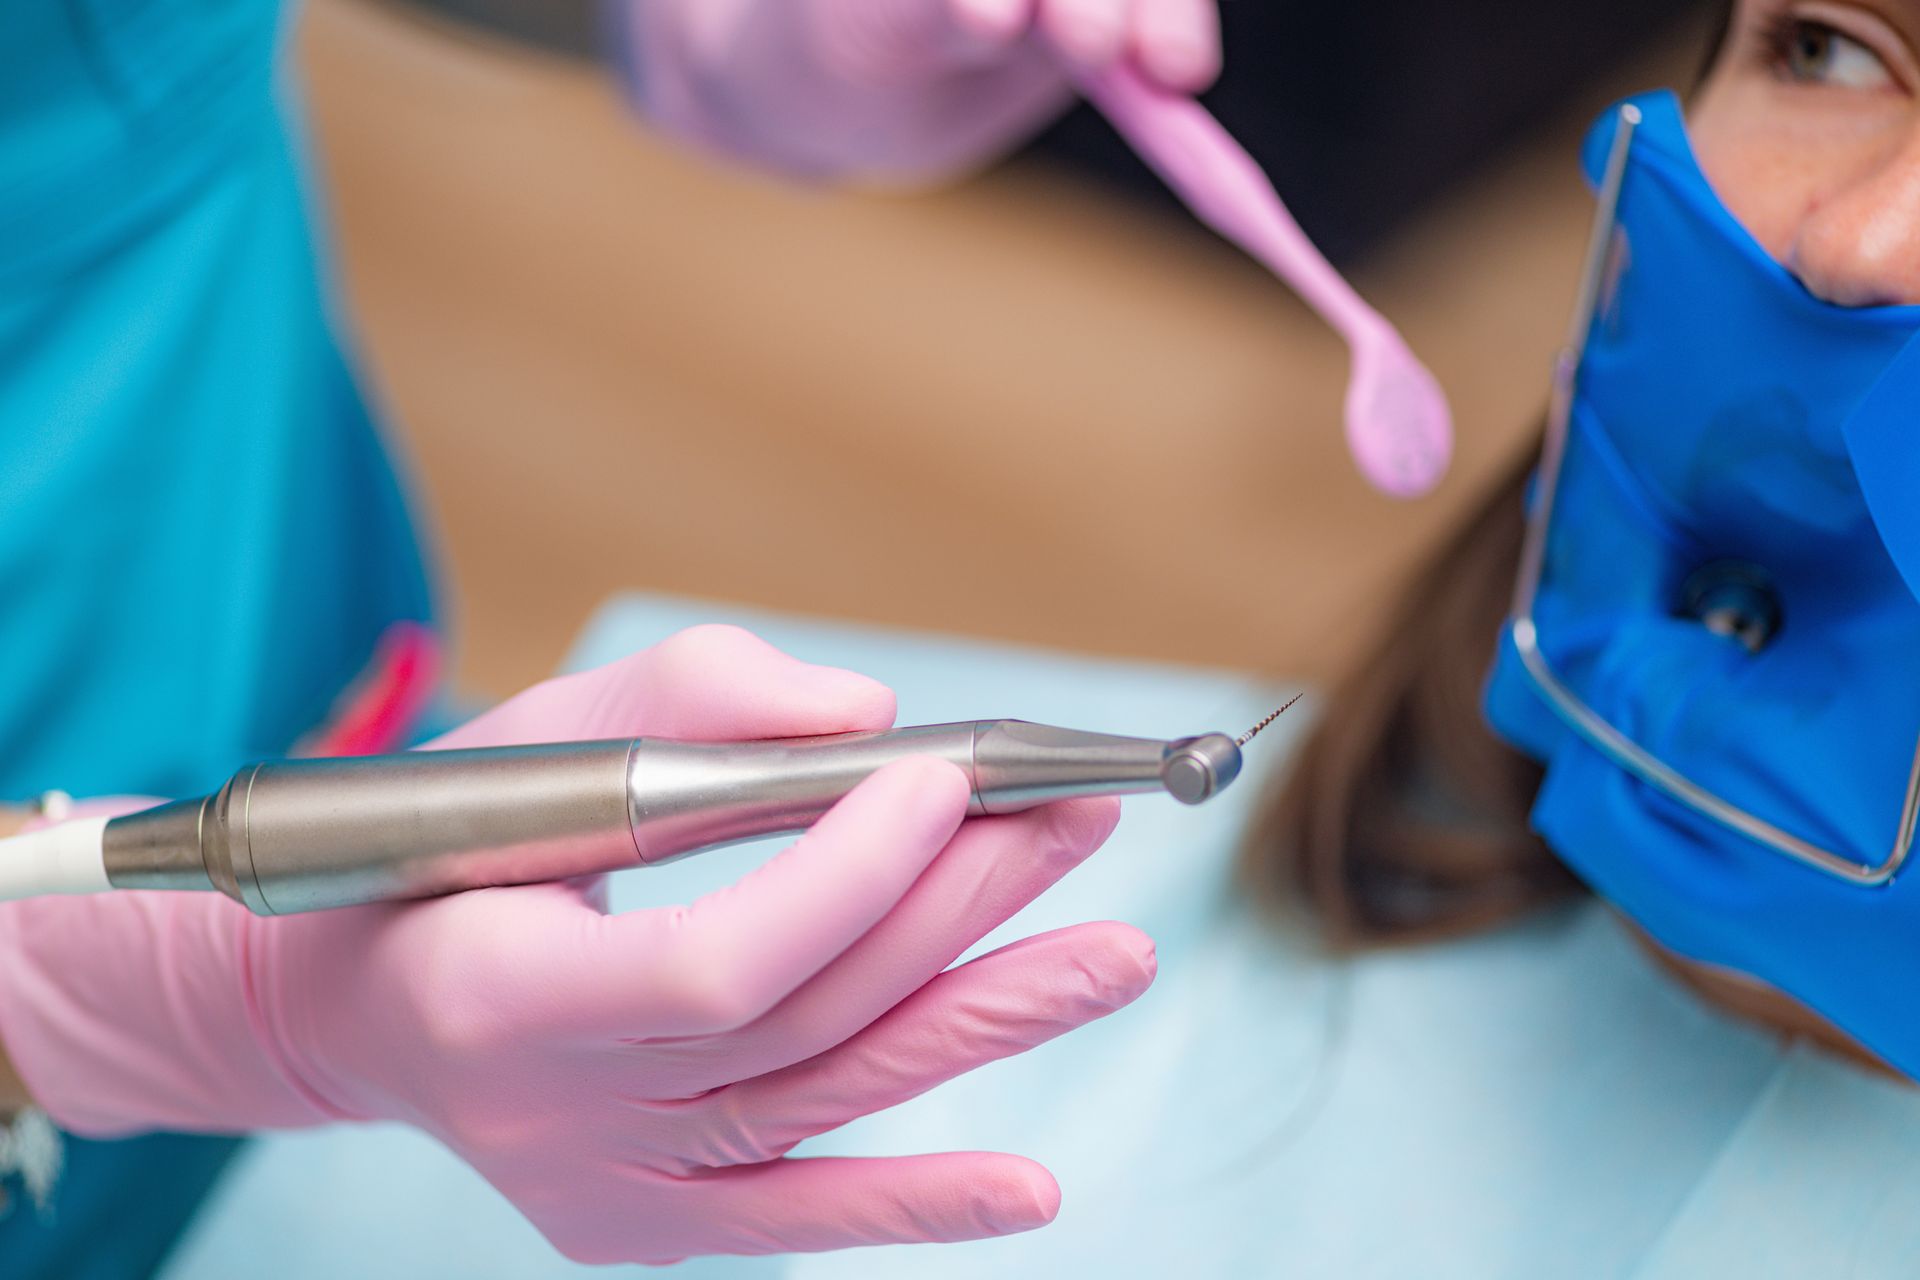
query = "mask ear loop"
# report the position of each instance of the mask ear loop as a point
(1524, 631)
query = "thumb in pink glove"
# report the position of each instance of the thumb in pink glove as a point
(631, 1083)
(905, 89)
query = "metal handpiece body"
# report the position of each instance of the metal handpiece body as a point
(301, 835)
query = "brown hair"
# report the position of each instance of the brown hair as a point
(1404, 818)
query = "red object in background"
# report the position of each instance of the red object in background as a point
(379, 710)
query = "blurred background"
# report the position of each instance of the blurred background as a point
(1041, 405)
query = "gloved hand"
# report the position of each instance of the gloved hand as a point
(631, 1083)
(910, 89)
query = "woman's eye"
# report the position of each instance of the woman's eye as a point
(1814, 53)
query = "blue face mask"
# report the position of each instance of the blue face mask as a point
(1716, 645)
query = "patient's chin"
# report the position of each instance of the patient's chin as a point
(1752, 1000)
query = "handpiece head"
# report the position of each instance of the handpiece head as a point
(1197, 769)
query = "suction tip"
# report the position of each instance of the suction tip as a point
(1399, 427)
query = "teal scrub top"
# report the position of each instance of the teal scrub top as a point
(201, 536)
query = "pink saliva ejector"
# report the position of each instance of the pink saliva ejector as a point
(1399, 428)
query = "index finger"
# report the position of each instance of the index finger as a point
(1177, 42)
(731, 956)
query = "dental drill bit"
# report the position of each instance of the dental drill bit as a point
(1254, 732)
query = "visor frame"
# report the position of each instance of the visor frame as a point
(1523, 629)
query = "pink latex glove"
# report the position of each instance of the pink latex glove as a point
(631, 1083)
(908, 89)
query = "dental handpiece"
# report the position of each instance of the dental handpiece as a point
(302, 835)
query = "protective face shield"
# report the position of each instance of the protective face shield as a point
(1713, 648)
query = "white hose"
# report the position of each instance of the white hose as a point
(67, 858)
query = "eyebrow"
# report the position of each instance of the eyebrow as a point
(1901, 14)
